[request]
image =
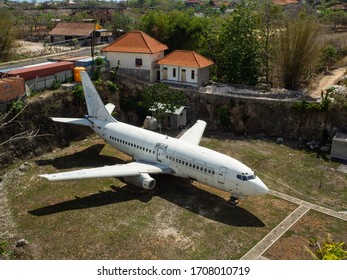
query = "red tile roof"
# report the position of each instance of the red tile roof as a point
(186, 58)
(135, 42)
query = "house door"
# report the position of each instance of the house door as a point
(183, 75)
(158, 75)
(165, 73)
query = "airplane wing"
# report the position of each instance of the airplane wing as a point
(118, 170)
(193, 135)
(78, 121)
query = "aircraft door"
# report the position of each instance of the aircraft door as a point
(221, 174)
(104, 132)
(160, 153)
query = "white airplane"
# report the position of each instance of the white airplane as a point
(155, 153)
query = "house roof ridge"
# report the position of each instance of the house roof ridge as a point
(191, 58)
(136, 41)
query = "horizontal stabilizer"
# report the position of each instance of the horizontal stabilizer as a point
(194, 134)
(77, 121)
(118, 170)
(110, 107)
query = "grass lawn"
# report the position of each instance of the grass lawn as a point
(107, 219)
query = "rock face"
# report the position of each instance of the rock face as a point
(275, 118)
(225, 113)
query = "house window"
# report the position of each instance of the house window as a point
(193, 75)
(174, 72)
(138, 62)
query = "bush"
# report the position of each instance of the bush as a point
(78, 93)
(17, 106)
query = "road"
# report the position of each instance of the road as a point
(36, 60)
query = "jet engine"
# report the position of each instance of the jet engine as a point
(142, 181)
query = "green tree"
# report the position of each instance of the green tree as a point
(121, 21)
(238, 50)
(328, 56)
(269, 16)
(177, 29)
(297, 52)
(7, 35)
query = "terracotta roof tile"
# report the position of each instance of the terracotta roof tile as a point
(135, 42)
(186, 58)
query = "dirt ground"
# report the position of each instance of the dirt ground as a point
(327, 81)
(38, 48)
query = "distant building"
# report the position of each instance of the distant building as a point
(136, 54)
(66, 32)
(185, 67)
(43, 76)
(339, 148)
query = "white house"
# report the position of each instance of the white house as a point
(185, 67)
(136, 54)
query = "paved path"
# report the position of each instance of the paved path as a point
(327, 211)
(275, 234)
(256, 252)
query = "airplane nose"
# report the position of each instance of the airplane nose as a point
(259, 187)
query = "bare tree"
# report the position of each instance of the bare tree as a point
(12, 116)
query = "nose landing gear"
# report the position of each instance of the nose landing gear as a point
(233, 201)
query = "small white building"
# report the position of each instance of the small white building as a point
(339, 148)
(136, 54)
(173, 120)
(185, 67)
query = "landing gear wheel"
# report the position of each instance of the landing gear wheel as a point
(233, 201)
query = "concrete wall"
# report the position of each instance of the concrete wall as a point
(48, 81)
(339, 148)
(184, 75)
(128, 61)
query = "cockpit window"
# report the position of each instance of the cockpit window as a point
(245, 177)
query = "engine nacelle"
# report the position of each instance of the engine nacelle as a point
(142, 181)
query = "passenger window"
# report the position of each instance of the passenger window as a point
(244, 178)
(213, 172)
(239, 177)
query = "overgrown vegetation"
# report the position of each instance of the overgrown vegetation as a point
(297, 50)
(160, 99)
(327, 250)
(323, 105)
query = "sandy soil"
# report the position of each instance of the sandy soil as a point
(25, 46)
(328, 80)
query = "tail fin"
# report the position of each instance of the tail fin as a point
(95, 106)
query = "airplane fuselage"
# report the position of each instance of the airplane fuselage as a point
(184, 159)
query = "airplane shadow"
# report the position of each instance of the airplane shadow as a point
(89, 157)
(186, 196)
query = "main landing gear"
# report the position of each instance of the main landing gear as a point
(233, 201)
